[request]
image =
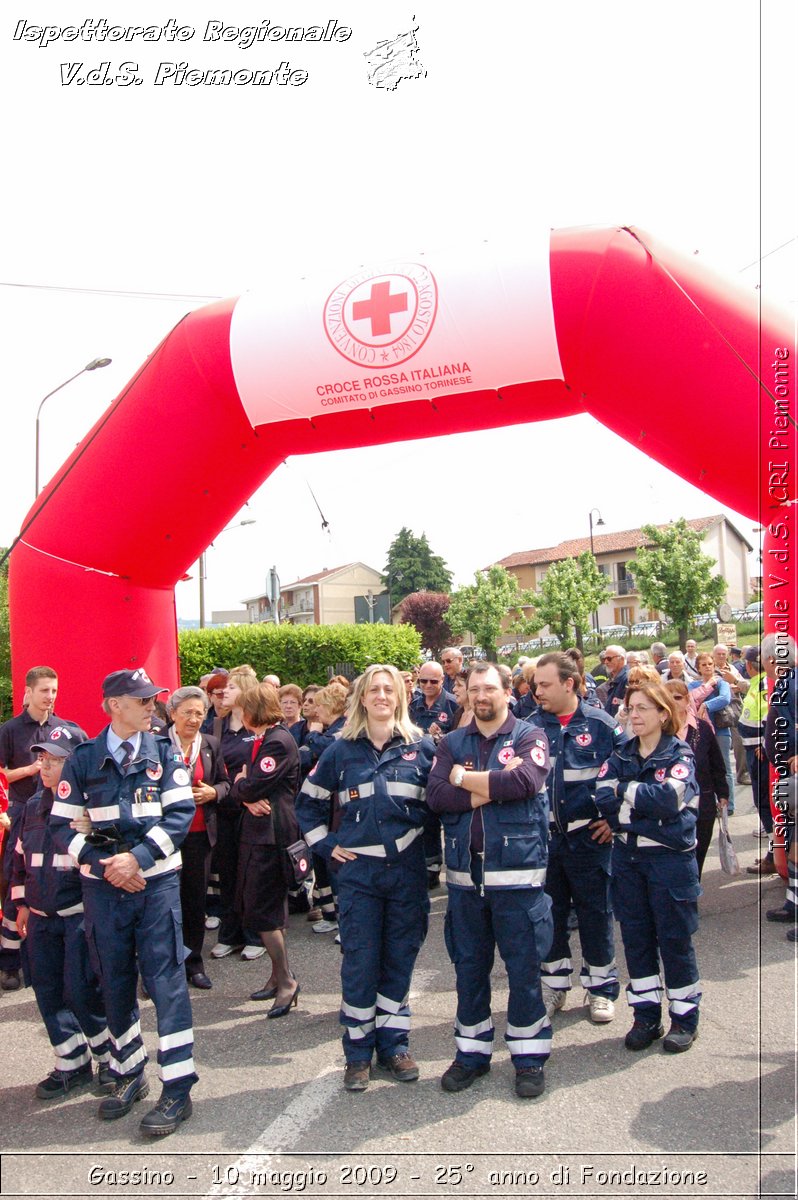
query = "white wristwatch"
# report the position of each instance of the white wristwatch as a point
(459, 776)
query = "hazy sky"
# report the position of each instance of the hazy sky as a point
(127, 206)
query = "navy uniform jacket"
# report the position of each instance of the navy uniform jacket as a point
(377, 797)
(41, 878)
(616, 692)
(315, 743)
(578, 750)
(150, 806)
(515, 823)
(440, 712)
(651, 804)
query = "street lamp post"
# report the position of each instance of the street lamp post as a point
(94, 365)
(600, 521)
(203, 572)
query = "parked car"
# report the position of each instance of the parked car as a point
(614, 631)
(551, 642)
(646, 628)
(753, 611)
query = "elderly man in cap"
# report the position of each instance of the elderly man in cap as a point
(138, 799)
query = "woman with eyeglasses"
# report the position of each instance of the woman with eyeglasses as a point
(210, 784)
(647, 796)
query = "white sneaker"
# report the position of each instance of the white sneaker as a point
(325, 926)
(221, 950)
(337, 939)
(602, 1009)
(212, 922)
(250, 953)
(554, 999)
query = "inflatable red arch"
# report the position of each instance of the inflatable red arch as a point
(607, 321)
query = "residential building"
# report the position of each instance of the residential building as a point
(326, 598)
(614, 551)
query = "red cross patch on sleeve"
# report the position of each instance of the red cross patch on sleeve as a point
(538, 756)
(267, 765)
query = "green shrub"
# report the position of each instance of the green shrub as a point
(296, 653)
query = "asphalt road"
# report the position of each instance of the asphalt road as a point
(271, 1118)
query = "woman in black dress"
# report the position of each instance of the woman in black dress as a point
(265, 789)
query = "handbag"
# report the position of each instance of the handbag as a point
(725, 717)
(295, 859)
(301, 866)
(728, 857)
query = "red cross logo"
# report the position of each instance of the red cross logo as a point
(379, 307)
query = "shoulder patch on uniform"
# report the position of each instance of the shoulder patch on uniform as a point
(180, 777)
(603, 769)
(267, 765)
(506, 755)
(659, 774)
(64, 789)
(679, 771)
(443, 718)
(540, 742)
(619, 729)
(155, 772)
(538, 755)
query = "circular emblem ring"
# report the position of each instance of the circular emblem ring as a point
(382, 318)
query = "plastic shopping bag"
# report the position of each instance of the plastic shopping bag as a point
(728, 858)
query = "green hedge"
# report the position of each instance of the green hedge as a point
(297, 653)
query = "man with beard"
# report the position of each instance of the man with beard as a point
(488, 783)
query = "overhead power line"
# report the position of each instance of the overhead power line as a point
(119, 292)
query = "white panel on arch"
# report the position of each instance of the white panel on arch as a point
(477, 318)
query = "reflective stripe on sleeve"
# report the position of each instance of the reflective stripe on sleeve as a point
(171, 863)
(316, 835)
(76, 845)
(69, 811)
(176, 796)
(108, 812)
(162, 840)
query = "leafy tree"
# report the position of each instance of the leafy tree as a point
(427, 612)
(675, 576)
(493, 604)
(569, 592)
(412, 567)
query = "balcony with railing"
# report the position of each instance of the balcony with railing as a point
(625, 586)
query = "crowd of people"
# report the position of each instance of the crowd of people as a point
(558, 800)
